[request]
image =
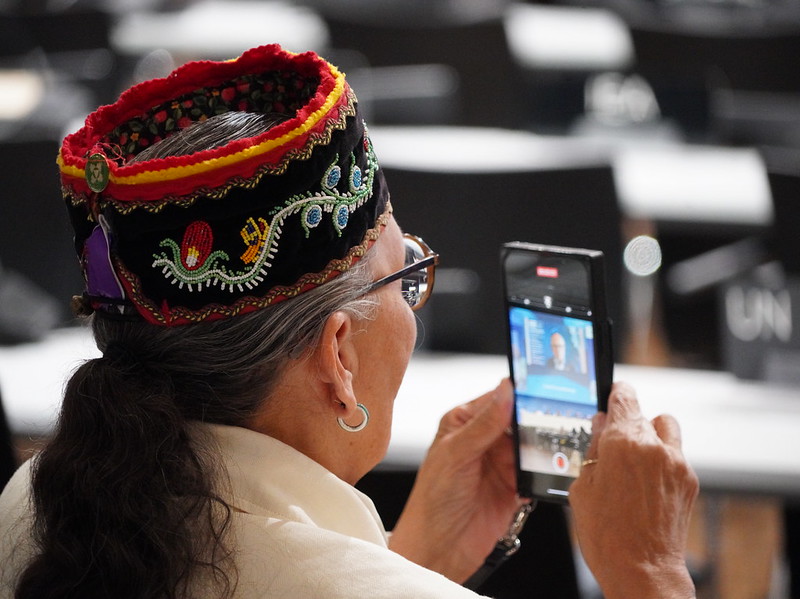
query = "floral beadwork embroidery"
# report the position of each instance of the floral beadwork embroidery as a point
(249, 303)
(254, 235)
(332, 175)
(192, 261)
(330, 199)
(262, 238)
(312, 216)
(196, 246)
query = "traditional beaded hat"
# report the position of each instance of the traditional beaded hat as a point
(229, 230)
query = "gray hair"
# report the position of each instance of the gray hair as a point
(125, 449)
(222, 371)
(239, 358)
(212, 133)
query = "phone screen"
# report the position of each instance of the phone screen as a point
(553, 334)
(555, 387)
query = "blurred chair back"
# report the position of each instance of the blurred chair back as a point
(562, 53)
(467, 216)
(475, 54)
(73, 42)
(8, 460)
(676, 66)
(783, 173)
(39, 266)
(733, 83)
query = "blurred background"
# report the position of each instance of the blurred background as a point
(664, 132)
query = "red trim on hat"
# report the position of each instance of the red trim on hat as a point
(200, 172)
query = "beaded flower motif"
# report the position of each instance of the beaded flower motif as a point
(194, 265)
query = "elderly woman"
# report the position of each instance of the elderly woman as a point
(252, 296)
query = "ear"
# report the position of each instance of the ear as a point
(337, 361)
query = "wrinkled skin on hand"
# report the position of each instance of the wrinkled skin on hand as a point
(464, 497)
(632, 507)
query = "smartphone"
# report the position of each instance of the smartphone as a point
(560, 357)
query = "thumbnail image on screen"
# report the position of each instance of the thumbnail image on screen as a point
(555, 387)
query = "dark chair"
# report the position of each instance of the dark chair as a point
(73, 43)
(783, 173)
(466, 217)
(783, 168)
(8, 460)
(791, 517)
(732, 82)
(39, 265)
(474, 53)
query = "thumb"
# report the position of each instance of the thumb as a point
(491, 417)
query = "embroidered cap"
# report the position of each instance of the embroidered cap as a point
(228, 230)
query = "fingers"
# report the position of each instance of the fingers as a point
(503, 392)
(622, 403)
(491, 420)
(668, 430)
(481, 421)
(461, 414)
(623, 411)
(623, 407)
(598, 424)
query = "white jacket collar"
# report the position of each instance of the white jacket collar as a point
(270, 478)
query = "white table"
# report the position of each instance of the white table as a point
(568, 38)
(655, 179)
(739, 436)
(215, 29)
(32, 378)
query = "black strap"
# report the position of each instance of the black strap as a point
(495, 559)
(507, 546)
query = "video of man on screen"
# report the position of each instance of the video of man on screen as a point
(556, 389)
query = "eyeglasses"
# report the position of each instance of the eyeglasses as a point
(416, 275)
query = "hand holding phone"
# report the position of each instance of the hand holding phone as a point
(559, 349)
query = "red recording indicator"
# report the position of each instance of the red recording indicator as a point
(550, 272)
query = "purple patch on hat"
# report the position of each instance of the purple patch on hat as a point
(101, 280)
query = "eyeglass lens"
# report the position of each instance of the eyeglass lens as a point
(414, 284)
